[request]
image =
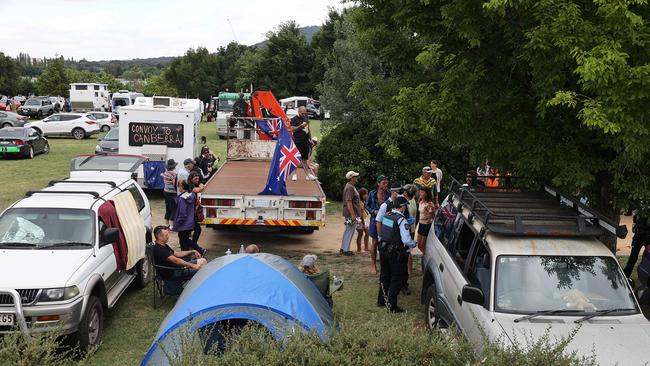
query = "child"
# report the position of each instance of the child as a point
(362, 230)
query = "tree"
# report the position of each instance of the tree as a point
(53, 80)
(322, 43)
(8, 76)
(195, 74)
(551, 88)
(158, 85)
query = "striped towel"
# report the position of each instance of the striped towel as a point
(132, 227)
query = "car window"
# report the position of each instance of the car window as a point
(3, 115)
(444, 222)
(460, 246)
(478, 272)
(68, 117)
(53, 118)
(139, 200)
(91, 117)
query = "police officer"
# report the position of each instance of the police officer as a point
(641, 238)
(394, 242)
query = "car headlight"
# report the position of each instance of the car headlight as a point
(98, 148)
(58, 294)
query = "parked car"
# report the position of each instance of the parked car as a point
(104, 120)
(58, 103)
(3, 102)
(60, 228)
(11, 119)
(37, 107)
(506, 265)
(22, 142)
(78, 125)
(20, 98)
(314, 112)
(110, 142)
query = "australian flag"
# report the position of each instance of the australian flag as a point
(286, 159)
(270, 127)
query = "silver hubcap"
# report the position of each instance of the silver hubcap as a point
(46, 149)
(145, 268)
(78, 134)
(431, 314)
(31, 152)
(93, 326)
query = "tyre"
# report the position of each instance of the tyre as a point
(91, 327)
(46, 148)
(39, 115)
(144, 272)
(6, 124)
(105, 128)
(78, 133)
(431, 311)
(30, 153)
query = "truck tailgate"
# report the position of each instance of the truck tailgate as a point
(239, 177)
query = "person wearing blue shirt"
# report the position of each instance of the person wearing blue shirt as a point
(375, 198)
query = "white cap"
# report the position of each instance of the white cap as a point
(351, 174)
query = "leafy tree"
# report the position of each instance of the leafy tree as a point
(228, 66)
(158, 85)
(53, 80)
(8, 76)
(194, 75)
(25, 86)
(322, 43)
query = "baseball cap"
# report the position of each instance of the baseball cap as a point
(426, 169)
(400, 202)
(381, 177)
(351, 174)
(188, 161)
(395, 187)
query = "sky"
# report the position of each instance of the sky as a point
(126, 29)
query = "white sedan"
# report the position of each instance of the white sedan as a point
(77, 125)
(105, 120)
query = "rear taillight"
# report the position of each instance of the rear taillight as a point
(90, 122)
(228, 203)
(297, 204)
(314, 204)
(207, 202)
(19, 142)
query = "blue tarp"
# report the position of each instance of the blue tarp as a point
(261, 287)
(153, 174)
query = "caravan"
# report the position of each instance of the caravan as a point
(159, 128)
(85, 97)
(123, 98)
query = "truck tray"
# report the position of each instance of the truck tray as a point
(241, 177)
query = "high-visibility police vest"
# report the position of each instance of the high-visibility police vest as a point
(390, 228)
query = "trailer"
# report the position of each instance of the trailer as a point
(159, 128)
(86, 97)
(231, 197)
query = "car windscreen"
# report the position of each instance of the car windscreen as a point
(226, 105)
(33, 102)
(47, 227)
(529, 284)
(120, 102)
(125, 163)
(112, 135)
(12, 133)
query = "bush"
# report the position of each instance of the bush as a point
(41, 349)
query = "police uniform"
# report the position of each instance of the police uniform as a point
(641, 238)
(393, 256)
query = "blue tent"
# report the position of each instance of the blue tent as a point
(263, 288)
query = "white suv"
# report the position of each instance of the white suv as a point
(58, 270)
(79, 125)
(506, 265)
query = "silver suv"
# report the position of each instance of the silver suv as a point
(508, 265)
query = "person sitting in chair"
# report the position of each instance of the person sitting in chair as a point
(166, 256)
(308, 265)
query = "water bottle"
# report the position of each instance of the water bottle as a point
(241, 249)
(228, 252)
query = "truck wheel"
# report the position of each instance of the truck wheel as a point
(78, 133)
(143, 272)
(91, 327)
(431, 311)
(39, 115)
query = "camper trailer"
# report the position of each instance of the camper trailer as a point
(85, 97)
(123, 98)
(159, 128)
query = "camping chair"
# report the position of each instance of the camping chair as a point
(322, 283)
(163, 288)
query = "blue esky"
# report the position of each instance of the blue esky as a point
(123, 29)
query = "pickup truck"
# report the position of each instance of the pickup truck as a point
(231, 196)
(58, 268)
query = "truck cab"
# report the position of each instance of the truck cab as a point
(224, 107)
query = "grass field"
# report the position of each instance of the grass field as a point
(131, 325)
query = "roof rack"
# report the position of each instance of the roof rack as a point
(31, 193)
(53, 182)
(546, 212)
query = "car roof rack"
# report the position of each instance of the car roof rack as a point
(94, 194)
(53, 182)
(520, 212)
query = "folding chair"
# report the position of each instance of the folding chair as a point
(322, 282)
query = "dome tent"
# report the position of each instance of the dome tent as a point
(262, 287)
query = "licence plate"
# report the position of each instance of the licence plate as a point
(9, 149)
(6, 319)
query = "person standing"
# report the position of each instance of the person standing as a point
(184, 173)
(641, 238)
(362, 233)
(393, 258)
(184, 219)
(351, 211)
(302, 138)
(169, 191)
(436, 173)
(373, 203)
(205, 162)
(425, 181)
(426, 210)
(196, 187)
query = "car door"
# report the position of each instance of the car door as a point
(68, 122)
(51, 124)
(35, 140)
(478, 272)
(3, 119)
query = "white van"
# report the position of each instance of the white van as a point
(160, 128)
(123, 98)
(85, 97)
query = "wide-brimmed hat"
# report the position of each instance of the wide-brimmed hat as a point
(171, 164)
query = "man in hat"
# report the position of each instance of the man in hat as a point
(393, 257)
(351, 211)
(375, 198)
(183, 174)
(169, 191)
(425, 181)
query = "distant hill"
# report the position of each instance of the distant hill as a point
(307, 31)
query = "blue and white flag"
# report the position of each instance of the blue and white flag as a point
(286, 159)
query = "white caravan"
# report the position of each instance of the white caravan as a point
(85, 97)
(123, 98)
(291, 105)
(159, 128)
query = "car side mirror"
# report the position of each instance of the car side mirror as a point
(473, 295)
(109, 236)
